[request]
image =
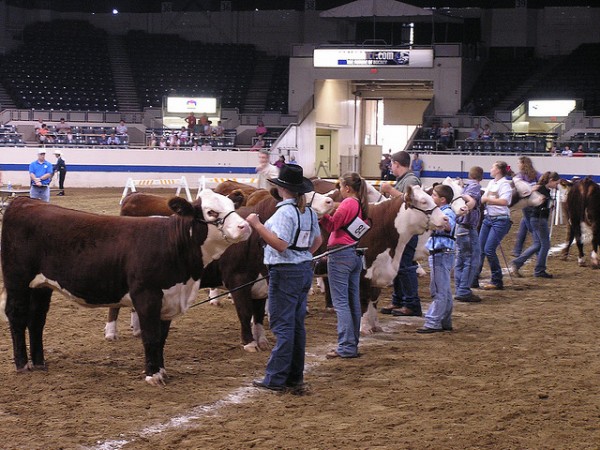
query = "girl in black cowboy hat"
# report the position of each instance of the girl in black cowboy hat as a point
(292, 234)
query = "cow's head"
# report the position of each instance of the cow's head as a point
(426, 215)
(322, 204)
(523, 195)
(458, 204)
(214, 209)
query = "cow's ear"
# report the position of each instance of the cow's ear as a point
(181, 206)
(408, 197)
(237, 197)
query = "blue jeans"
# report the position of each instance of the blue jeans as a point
(540, 245)
(493, 230)
(41, 193)
(343, 269)
(524, 228)
(439, 314)
(467, 259)
(288, 291)
(406, 283)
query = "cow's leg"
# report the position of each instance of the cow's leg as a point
(579, 242)
(570, 237)
(595, 242)
(148, 306)
(38, 310)
(110, 329)
(17, 312)
(258, 329)
(369, 322)
(242, 299)
(134, 323)
(165, 326)
(328, 300)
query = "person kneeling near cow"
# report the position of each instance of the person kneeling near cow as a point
(291, 235)
(441, 260)
(344, 266)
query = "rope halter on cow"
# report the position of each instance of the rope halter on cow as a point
(219, 223)
(427, 212)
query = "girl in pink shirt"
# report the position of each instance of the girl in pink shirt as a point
(344, 267)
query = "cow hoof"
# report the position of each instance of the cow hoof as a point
(110, 331)
(263, 344)
(156, 380)
(252, 347)
(26, 368)
(136, 333)
(216, 302)
(581, 262)
(40, 367)
(366, 332)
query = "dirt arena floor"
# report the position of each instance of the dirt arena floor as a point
(521, 370)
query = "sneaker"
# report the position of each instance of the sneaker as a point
(515, 270)
(543, 275)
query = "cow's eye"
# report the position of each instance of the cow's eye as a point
(212, 213)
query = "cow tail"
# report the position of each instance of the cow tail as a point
(3, 305)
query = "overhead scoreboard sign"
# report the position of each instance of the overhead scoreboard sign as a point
(354, 58)
(191, 104)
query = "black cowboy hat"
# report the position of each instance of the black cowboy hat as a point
(292, 178)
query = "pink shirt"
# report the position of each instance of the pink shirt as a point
(345, 214)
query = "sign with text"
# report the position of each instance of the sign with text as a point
(353, 58)
(191, 104)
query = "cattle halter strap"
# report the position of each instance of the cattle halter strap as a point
(427, 212)
(219, 223)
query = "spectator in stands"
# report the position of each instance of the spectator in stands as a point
(63, 127)
(219, 130)
(163, 143)
(567, 151)
(292, 160)
(385, 166)
(553, 150)
(121, 129)
(152, 140)
(44, 135)
(261, 130)
(206, 146)
(102, 140)
(260, 143)
(191, 123)
(40, 173)
(434, 132)
(195, 145)
(38, 127)
(183, 137)
(61, 168)
(486, 134)
(113, 140)
(280, 162)
(265, 169)
(205, 129)
(447, 135)
(475, 133)
(580, 152)
(417, 165)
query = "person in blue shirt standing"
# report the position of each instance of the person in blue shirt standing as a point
(417, 166)
(291, 236)
(468, 252)
(441, 261)
(40, 172)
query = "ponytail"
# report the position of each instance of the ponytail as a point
(358, 185)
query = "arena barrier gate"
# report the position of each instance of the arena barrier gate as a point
(181, 183)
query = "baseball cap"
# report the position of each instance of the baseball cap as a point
(41, 151)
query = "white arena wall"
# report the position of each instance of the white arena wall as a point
(91, 168)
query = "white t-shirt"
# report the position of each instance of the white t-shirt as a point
(498, 189)
(264, 173)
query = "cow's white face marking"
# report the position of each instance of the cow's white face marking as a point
(218, 207)
(320, 203)
(178, 299)
(416, 222)
(458, 203)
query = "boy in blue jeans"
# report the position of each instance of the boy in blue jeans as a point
(441, 261)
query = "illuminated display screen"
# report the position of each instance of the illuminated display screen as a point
(550, 108)
(353, 58)
(191, 104)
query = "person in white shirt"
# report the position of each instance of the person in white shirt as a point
(567, 151)
(496, 222)
(265, 169)
(121, 129)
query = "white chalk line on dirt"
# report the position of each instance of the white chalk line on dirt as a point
(238, 396)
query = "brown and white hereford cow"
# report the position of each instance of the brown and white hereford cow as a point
(393, 223)
(583, 209)
(241, 264)
(152, 263)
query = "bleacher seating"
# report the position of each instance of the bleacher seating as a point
(498, 78)
(277, 98)
(85, 136)
(169, 65)
(10, 137)
(61, 65)
(576, 77)
(155, 135)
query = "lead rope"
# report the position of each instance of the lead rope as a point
(250, 283)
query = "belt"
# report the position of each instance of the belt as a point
(40, 187)
(269, 266)
(441, 250)
(500, 216)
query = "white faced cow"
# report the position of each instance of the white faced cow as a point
(152, 263)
